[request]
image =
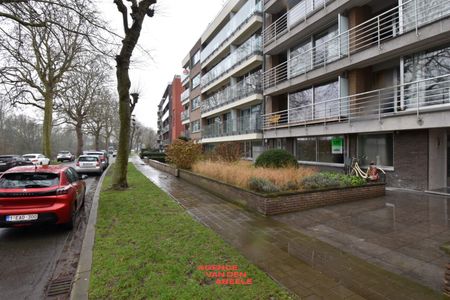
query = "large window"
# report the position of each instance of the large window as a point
(328, 149)
(195, 81)
(421, 70)
(195, 103)
(314, 103)
(376, 147)
(196, 58)
(195, 126)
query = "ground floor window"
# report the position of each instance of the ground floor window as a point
(327, 149)
(376, 147)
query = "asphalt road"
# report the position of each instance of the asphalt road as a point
(28, 256)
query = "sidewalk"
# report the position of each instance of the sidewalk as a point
(273, 245)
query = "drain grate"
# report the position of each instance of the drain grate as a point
(59, 287)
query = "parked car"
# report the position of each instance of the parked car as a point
(40, 194)
(11, 161)
(37, 159)
(65, 155)
(114, 153)
(88, 164)
(101, 155)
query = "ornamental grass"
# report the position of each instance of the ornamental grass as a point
(241, 172)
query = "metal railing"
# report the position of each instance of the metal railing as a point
(165, 129)
(373, 32)
(185, 95)
(298, 14)
(237, 126)
(249, 48)
(248, 86)
(185, 115)
(409, 98)
(248, 10)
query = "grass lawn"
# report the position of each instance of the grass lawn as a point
(148, 247)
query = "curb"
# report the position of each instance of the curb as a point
(80, 285)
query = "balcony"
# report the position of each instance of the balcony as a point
(185, 95)
(298, 14)
(231, 127)
(411, 99)
(248, 10)
(185, 115)
(165, 129)
(248, 49)
(249, 86)
(408, 17)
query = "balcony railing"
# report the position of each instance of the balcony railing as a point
(165, 129)
(185, 95)
(374, 32)
(238, 126)
(244, 88)
(249, 48)
(248, 10)
(298, 14)
(185, 115)
(410, 98)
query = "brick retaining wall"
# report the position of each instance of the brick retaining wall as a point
(273, 204)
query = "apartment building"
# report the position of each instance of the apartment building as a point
(360, 78)
(224, 80)
(169, 113)
(191, 97)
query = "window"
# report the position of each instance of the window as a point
(195, 81)
(429, 68)
(195, 103)
(327, 149)
(326, 46)
(300, 59)
(29, 180)
(376, 147)
(72, 175)
(196, 58)
(196, 126)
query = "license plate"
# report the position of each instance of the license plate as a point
(18, 218)
(2, 164)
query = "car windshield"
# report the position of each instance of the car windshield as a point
(28, 180)
(29, 156)
(64, 152)
(94, 153)
(6, 157)
(88, 158)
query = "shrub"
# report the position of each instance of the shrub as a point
(183, 154)
(230, 151)
(330, 180)
(276, 158)
(262, 185)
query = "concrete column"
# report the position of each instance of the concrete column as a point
(437, 151)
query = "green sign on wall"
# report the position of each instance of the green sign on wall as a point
(337, 146)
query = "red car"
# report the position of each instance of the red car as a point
(40, 194)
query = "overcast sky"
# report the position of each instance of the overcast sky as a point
(169, 36)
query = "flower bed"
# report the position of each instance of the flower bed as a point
(283, 201)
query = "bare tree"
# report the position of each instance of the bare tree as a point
(98, 118)
(138, 11)
(37, 59)
(85, 86)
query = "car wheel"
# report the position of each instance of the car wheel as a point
(71, 224)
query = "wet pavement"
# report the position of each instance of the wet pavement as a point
(401, 232)
(28, 256)
(281, 246)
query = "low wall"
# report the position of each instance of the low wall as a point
(277, 203)
(273, 204)
(162, 167)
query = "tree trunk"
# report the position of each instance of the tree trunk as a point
(47, 126)
(97, 140)
(80, 142)
(119, 180)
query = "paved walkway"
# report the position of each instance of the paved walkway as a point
(279, 249)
